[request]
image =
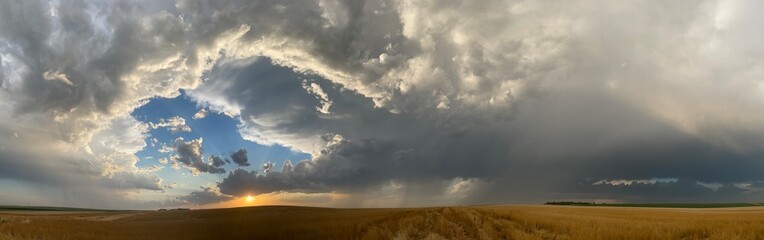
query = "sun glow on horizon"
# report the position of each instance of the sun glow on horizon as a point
(280, 198)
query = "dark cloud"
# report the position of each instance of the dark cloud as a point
(191, 155)
(682, 190)
(342, 165)
(535, 151)
(240, 158)
(217, 161)
(206, 196)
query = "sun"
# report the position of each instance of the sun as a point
(249, 199)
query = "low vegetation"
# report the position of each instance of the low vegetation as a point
(483, 222)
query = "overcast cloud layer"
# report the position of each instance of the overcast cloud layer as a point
(417, 103)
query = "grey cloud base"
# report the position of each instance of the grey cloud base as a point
(547, 149)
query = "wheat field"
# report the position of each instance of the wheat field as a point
(477, 222)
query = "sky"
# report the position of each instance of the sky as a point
(142, 104)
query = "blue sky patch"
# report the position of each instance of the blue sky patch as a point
(220, 134)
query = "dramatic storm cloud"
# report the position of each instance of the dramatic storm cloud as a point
(412, 102)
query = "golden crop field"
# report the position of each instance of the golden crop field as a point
(480, 222)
